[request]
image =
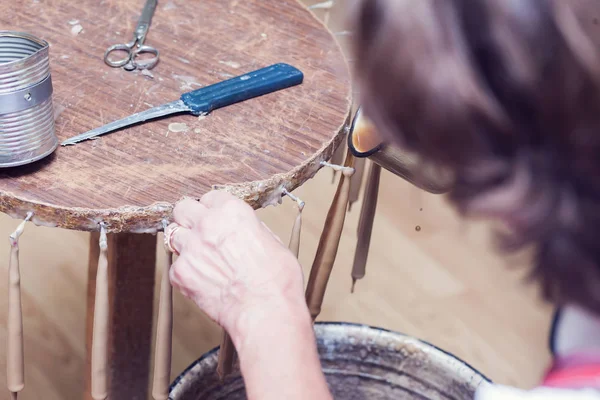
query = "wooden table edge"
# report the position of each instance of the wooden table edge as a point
(148, 219)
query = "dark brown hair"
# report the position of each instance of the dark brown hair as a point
(506, 95)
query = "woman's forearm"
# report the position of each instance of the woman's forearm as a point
(249, 282)
(278, 355)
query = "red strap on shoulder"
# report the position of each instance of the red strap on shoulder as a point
(574, 377)
(575, 372)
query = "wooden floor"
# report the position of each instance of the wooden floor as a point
(442, 283)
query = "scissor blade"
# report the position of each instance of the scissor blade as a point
(147, 13)
(156, 112)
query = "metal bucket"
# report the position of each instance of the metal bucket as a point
(359, 362)
(26, 111)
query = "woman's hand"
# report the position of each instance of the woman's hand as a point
(231, 265)
(243, 277)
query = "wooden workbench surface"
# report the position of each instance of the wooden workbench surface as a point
(131, 178)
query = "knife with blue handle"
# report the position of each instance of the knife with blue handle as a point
(204, 100)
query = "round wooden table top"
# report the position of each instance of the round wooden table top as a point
(131, 178)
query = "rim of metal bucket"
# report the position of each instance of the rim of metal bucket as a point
(349, 324)
(28, 36)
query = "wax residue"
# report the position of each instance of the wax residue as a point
(231, 64)
(76, 30)
(187, 82)
(178, 127)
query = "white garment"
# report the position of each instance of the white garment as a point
(576, 329)
(497, 392)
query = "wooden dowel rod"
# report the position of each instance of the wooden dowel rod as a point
(15, 363)
(356, 181)
(101, 322)
(164, 334)
(329, 241)
(365, 223)
(226, 356)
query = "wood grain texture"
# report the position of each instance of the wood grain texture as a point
(131, 263)
(131, 179)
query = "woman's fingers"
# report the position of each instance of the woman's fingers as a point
(218, 198)
(177, 281)
(188, 213)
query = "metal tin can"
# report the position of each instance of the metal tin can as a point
(26, 112)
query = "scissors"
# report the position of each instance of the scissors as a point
(136, 46)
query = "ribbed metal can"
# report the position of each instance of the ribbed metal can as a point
(26, 112)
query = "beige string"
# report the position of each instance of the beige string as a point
(294, 245)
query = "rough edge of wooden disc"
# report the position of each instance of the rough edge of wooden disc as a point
(148, 219)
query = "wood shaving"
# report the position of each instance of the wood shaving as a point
(147, 73)
(76, 30)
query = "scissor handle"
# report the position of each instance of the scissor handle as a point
(147, 63)
(128, 48)
(129, 62)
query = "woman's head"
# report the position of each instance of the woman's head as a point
(506, 95)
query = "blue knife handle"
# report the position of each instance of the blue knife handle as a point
(244, 87)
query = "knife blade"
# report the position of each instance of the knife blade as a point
(205, 100)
